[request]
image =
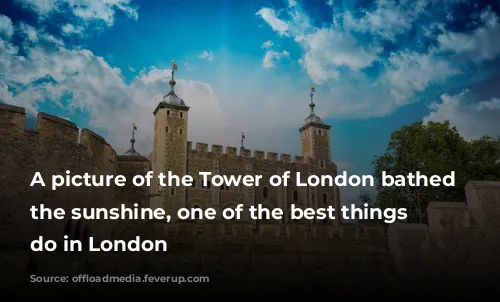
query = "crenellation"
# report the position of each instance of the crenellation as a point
(56, 127)
(96, 145)
(202, 148)
(245, 153)
(298, 159)
(12, 118)
(217, 149)
(233, 151)
(285, 158)
(259, 155)
(272, 156)
(458, 228)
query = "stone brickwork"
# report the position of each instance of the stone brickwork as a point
(172, 152)
(462, 239)
(54, 147)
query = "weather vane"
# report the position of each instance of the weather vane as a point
(134, 129)
(313, 90)
(174, 67)
(242, 136)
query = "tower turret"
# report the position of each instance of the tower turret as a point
(131, 151)
(170, 147)
(315, 136)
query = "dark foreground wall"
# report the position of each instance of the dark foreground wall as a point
(459, 247)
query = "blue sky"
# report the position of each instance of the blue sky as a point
(247, 65)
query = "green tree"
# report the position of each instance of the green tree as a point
(367, 199)
(433, 149)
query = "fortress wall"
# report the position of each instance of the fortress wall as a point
(462, 236)
(460, 240)
(129, 166)
(12, 119)
(56, 127)
(201, 159)
(52, 149)
(218, 150)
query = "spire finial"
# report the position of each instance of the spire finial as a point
(131, 151)
(242, 136)
(132, 141)
(172, 81)
(311, 105)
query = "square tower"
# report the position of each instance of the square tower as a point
(170, 148)
(315, 138)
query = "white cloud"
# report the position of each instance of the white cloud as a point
(80, 81)
(409, 72)
(389, 19)
(326, 49)
(335, 55)
(329, 49)
(272, 57)
(267, 44)
(270, 17)
(6, 27)
(69, 29)
(292, 3)
(477, 45)
(30, 32)
(100, 90)
(42, 7)
(472, 118)
(206, 55)
(85, 10)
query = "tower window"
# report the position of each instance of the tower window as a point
(319, 131)
(324, 198)
(181, 114)
(321, 164)
(295, 195)
(180, 131)
(172, 191)
(264, 192)
(166, 129)
(168, 112)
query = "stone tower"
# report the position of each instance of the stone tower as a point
(170, 148)
(315, 138)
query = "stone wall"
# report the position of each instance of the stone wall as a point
(248, 162)
(462, 239)
(54, 147)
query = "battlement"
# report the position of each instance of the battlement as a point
(56, 127)
(12, 118)
(12, 124)
(202, 149)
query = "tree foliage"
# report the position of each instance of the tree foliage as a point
(433, 149)
(367, 199)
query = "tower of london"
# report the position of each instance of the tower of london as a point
(173, 152)
(242, 249)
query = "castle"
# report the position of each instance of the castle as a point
(172, 152)
(461, 239)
